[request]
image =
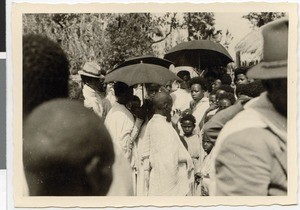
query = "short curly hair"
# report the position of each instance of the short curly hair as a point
(226, 88)
(229, 96)
(241, 70)
(188, 117)
(45, 71)
(253, 89)
(198, 80)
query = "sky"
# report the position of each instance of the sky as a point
(239, 27)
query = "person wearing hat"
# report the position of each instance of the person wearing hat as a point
(250, 154)
(90, 76)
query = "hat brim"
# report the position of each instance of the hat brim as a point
(261, 72)
(87, 74)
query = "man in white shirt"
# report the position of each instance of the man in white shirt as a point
(90, 75)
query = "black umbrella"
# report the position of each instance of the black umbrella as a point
(200, 54)
(149, 59)
(141, 73)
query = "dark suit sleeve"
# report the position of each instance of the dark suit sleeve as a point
(243, 164)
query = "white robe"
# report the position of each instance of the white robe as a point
(171, 166)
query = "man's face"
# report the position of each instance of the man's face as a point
(151, 91)
(241, 79)
(186, 78)
(187, 127)
(197, 92)
(278, 95)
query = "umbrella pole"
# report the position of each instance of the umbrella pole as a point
(199, 63)
(143, 93)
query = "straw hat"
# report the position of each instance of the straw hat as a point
(275, 51)
(90, 69)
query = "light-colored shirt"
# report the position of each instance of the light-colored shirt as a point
(205, 172)
(195, 149)
(120, 122)
(199, 110)
(92, 100)
(181, 99)
(171, 167)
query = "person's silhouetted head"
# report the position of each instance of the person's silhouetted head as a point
(67, 151)
(123, 92)
(45, 72)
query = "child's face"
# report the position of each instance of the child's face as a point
(218, 94)
(224, 103)
(241, 79)
(206, 144)
(212, 99)
(187, 127)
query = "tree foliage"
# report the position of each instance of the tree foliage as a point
(80, 35)
(258, 19)
(200, 25)
(110, 38)
(134, 34)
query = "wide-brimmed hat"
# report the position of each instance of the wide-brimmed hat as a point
(90, 69)
(275, 51)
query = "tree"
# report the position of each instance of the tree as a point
(200, 25)
(225, 39)
(111, 38)
(258, 19)
(81, 36)
(134, 34)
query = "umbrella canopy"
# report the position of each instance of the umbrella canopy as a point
(141, 73)
(199, 53)
(145, 59)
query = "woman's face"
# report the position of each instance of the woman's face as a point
(216, 84)
(197, 92)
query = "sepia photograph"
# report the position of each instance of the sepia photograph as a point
(132, 104)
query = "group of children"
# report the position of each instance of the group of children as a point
(199, 146)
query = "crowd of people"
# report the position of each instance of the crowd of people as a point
(196, 136)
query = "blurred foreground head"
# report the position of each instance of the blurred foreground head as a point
(67, 151)
(45, 72)
(273, 68)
